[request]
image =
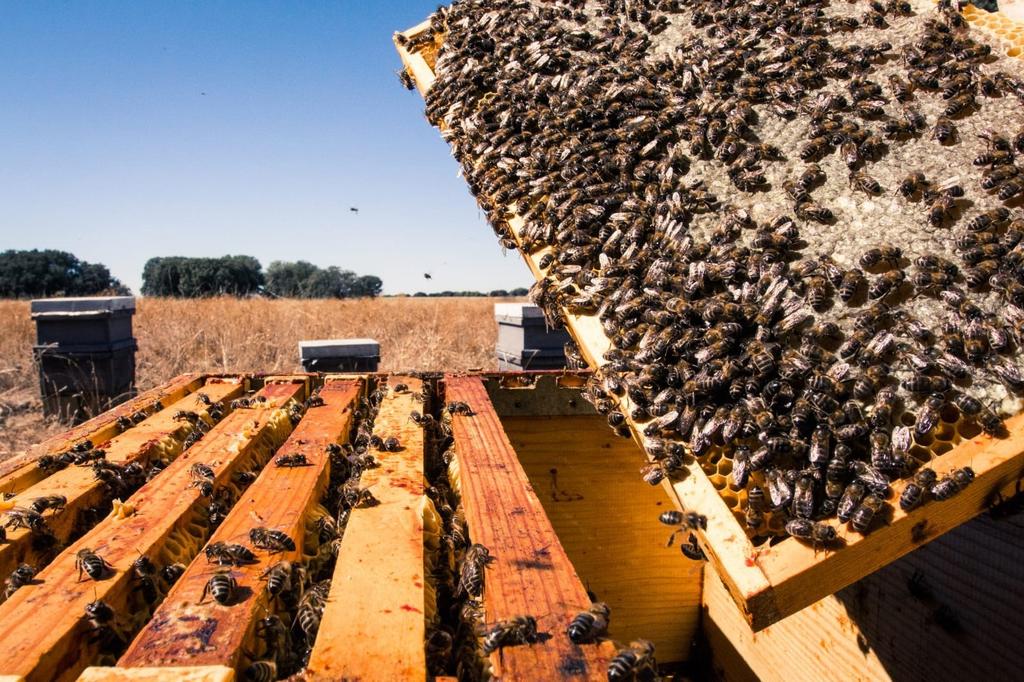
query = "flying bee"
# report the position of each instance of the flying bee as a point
(222, 586)
(271, 540)
(685, 521)
(590, 624)
(914, 182)
(296, 459)
(633, 662)
(510, 632)
(471, 575)
(92, 564)
(913, 493)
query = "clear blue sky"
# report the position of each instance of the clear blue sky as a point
(110, 149)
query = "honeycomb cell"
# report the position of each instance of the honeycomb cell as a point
(725, 467)
(921, 454)
(730, 498)
(968, 429)
(944, 432)
(942, 448)
(718, 480)
(925, 439)
(908, 418)
(949, 414)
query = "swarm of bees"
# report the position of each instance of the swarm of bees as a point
(716, 183)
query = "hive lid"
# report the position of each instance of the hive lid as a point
(86, 306)
(517, 313)
(338, 348)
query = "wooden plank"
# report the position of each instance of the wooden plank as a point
(187, 630)
(818, 643)
(158, 436)
(771, 583)
(613, 553)
(798, 576)
(373, 627)
(204, 673)
(421, 71)
(18, 473)
(531, 573)
(40, 625)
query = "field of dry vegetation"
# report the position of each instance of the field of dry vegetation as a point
(227, 335)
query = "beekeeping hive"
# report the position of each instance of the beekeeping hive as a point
(362, 475)
(509, 72)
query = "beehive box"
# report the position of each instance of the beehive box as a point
(769, 579)
(528, 463)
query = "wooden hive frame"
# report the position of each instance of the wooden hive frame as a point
(42, 628)
(769, 583)
(382, 592)
(187, 630)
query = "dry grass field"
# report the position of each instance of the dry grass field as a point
(227, 334)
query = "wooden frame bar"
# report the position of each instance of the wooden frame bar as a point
(199, 673)
(186, 631)
(531, 573)
(159, 435)
(41, 625)
(18, 473)
(373, 627)
(771, 583)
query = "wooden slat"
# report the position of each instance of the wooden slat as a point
(204, 673)
(373, 627)
(531, 574)
(185, 631)
(799, 576)
(770, 585)
(608, 524)
(818, 643)
(18, 473)
(158, 436)
(40, 625)
(421, 71)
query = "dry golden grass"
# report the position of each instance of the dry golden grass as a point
(229, 335)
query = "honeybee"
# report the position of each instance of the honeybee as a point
(222, 586)
(633, 662)
(92, 564)
(296, 459)
(471, 575)
(865, 183)
(510, 632)
(590, 624)
(226, 553)
(913, 183)
(913, 493)
(19, 577)
(271, 540)
(887, 255)
(869, 508)
(944, 130)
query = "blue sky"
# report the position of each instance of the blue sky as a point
(136, 129)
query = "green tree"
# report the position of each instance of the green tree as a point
(38, 273)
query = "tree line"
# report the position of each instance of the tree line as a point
(39, 274)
